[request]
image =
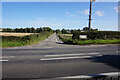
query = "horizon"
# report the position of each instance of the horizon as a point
(59, 15)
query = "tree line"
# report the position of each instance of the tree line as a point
(27, 30)
(68, 31)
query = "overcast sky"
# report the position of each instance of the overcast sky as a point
(68, 15)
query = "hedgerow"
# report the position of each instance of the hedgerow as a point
(11, 41)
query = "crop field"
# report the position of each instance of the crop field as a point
(22, 39)
(15, 34)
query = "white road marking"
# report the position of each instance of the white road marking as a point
(7, 57)
(48, 47)
(62, 58)
(112, 74)
(4, 60)
(117, 51)
(74, 77)
(76, 54)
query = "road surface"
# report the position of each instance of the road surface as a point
(51, 58)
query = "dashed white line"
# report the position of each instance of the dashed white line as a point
(7, 57)
(76, 54)
(4, 60)
(117, 51)
(48, 47)
(111, 74)
(62, 58)
(81, 76)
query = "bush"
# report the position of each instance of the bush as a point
(76, 35)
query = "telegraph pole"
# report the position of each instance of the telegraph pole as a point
(90, 14)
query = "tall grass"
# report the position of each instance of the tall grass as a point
(13, 41)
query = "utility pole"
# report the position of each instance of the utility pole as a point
(90, 14)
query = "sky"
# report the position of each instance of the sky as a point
(59, 15)
(58, 0)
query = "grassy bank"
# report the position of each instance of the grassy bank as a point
(68, 40)
(13, 41)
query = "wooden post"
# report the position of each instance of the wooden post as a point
(90, 13)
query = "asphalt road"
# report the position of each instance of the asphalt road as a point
(51, 58)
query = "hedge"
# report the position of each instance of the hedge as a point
(10, 41)
(99, 35)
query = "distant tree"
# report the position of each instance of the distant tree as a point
(32, 30)
(38, 30)
(85, 29)
(57, 30)
(47, 29)
(16, 30)
(64, 31)
(21, 30)
(28, 30)
(71, 31)
(41, 29)
(4, 30)
(94, 29)
(24, 30)
(7, 30)
(79, 30)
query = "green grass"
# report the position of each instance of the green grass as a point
(68, 40)
(26, 40)
(13, 44)
(80, 42)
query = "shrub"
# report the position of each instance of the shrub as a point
(76, 35)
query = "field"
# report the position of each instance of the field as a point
(15, 34)
(22, 39)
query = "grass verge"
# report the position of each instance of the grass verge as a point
(68, 40)
(13, 41)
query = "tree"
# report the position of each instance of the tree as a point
(85, 29)
(7, 30)
(38, 30)
(64, 31)
(76, 34)
(16, 30)
(33, 30)
(57, 30)
(28, 30)
(21, 30)
(47, 29)
(25, 30)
